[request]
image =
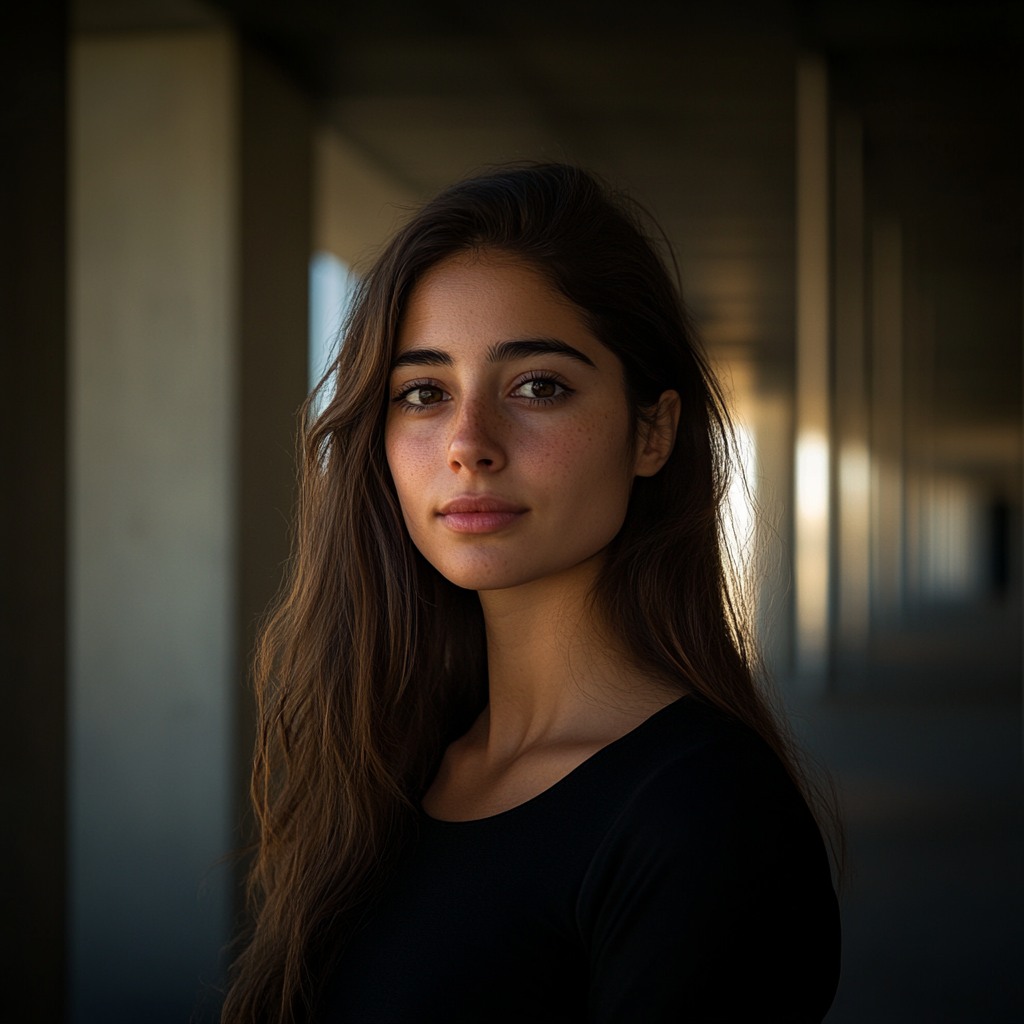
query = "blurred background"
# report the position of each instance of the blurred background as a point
(188, 191)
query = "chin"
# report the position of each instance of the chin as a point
(488, 578)
(494, 571)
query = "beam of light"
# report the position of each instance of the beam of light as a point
(812, 526)
(812, 478)
(739, 527)
(740, 501)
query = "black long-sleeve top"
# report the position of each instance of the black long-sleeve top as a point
(676, 875)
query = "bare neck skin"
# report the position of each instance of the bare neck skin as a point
(558, 694)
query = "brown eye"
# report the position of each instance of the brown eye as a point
(424, 396)
(539, 388)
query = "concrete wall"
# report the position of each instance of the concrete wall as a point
(357, 205)
(274, 247)
(191, 184)
(152, 493)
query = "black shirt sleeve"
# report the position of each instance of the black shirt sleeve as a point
(710, 899)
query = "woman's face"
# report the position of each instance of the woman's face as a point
(508, 434)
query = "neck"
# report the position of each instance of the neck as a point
(554, 673)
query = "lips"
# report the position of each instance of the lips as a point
(480, 513)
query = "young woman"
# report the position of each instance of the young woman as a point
(514, 764)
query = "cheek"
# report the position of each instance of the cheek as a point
(584, 463)
(409, 463)
(412, 458)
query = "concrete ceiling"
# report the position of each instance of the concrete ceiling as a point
(691, 106)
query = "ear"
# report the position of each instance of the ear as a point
(658, 437)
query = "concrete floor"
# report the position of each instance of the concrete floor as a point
(928, 759)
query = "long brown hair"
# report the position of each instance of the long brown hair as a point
(372, 662)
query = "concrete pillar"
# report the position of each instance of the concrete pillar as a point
(812, 461)
(852, 424)
(357, 205)
(190, 214)
(274, 183)
(32, 509)
(887, 497)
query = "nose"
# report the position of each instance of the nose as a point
(474, 444)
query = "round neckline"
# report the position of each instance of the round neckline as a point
(533, 800)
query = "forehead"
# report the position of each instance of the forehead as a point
(479, 299)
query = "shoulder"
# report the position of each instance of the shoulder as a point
(695, 755)
(707, 755)
(711, 787)
(715, 830)
(710, 892)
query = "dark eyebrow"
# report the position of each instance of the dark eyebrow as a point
(504, 352)
(423, 357)
(534, 347)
